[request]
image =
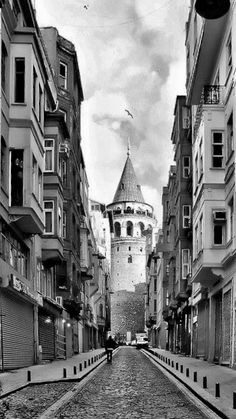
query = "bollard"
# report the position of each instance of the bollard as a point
(181, 368)
(64, 372)
(172, 364)
(204, 382)
(217, 390)
(75, 370)
(177, 366)
(187, 372)
(234, 400)
(92, 360)
(85, 364)
(169, 361)
(80, 367)
(28, 375)
(195, 376)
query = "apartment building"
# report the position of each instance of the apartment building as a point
(49, 259)
(210, 88)
(26, 84)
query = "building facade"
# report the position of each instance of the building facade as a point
(211, 95)
(132, 222)
(49, 259)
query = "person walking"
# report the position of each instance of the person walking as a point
(110, 344)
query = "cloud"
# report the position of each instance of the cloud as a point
(131, 56)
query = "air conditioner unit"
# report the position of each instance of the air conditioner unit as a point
(219, 216)
(59, 300)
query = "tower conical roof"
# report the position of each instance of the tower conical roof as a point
(128, 188)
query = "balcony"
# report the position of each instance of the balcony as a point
(87, 274)
(211, 95)
(205, 57)
(52, 251)
(26, 219)
(207, 268)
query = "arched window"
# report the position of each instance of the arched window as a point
(129, 228)
(117, 229)
(141, 226)
(130, 260)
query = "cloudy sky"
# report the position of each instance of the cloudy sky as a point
(132, 56)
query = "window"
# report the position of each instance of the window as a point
(155, 306)
(196, 170)
(40, 186)
(185, 263)
(195, 31)
(64, 224)
(196, 241)
(4, 65)
(200, 160)
(186, 216)
(186, 166)
(155, 284)
(14, 252)
(129, 248)
(34, 175)
(129, 228)
(230, 135)
(217, 149)
(117, 249)
(63, 75)
(219, 227)
(48, 217)
(19, 80)
(3, 163)
(40, 103)
(59, 222)
(231, 218)
(34, 87)
(200, 233)
(17, 177)
(130, 259)
(49, 155)
(228, 55)
(117, 230)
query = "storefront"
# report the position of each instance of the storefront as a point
(18, 314)
(47, 315)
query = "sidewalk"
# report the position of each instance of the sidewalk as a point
(180, 366)
(71, 368)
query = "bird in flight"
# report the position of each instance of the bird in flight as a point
(129, 114)
(86, 6)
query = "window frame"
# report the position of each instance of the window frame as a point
(215, 144)
(49, 211)
(63, 77)
(52, 150)
(19, 95)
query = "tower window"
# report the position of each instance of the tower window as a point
(129, 248)
(117, 249)
(130, 259)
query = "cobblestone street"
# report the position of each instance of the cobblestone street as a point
(131, 387)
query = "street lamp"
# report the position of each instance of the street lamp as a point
(212, 9)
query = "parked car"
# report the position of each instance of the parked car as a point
(141, 340)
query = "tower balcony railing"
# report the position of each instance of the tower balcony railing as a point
(212, 95)
(146, 213)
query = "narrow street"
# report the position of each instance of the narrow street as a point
(130, 387)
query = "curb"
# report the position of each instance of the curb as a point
(189, 387)
(60, 380)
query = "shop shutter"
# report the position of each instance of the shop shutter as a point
(47, 337)
(18, 334)
(226, 338)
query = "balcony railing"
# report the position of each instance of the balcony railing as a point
(211, 95)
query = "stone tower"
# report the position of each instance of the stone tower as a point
(132, 222)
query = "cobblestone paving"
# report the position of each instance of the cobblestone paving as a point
(130, 387)
(31, 401)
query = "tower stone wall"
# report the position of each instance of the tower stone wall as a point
(132, 222)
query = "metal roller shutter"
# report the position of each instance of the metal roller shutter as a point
(47, 336)
(18, 334)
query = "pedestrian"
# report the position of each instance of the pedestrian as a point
(110, 344)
